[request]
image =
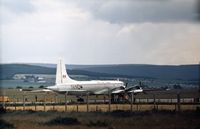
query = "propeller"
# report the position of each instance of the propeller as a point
(126, 84)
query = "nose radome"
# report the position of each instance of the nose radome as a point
(52, 87)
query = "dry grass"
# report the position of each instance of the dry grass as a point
(114, 120)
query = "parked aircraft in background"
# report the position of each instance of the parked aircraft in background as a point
(64, 84)
(95, 87)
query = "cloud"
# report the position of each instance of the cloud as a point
(73, 30)
(20, 6)
(128, 11)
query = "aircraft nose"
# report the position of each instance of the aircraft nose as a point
(52, 87)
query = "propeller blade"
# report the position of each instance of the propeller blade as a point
(126, 84)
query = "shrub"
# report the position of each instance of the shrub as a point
(18, 87)
(41, 87)
(5, 125)
(99, 123)
(121, 113)
(63, 121)
(2, 110)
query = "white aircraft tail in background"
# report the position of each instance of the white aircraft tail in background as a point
(61, 74)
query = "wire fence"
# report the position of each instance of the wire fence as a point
(104, 104)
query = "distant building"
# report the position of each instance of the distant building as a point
(29, 78)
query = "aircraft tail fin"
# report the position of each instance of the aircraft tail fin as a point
(61, 74)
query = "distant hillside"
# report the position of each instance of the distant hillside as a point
(8, 70)
(69, 66)
(183, 72)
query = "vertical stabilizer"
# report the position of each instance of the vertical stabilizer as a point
(61, 74)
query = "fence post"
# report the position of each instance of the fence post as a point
(77, 106)
(96, 103)
(23, 101)
(35, 102)
(66, 101)
(154, 101)
(14, 101)
(87, 102)
(137, 103)
(55, 100)
(109, 99)
(104, 99)
(131, 101)
(178, 102)
(44, 101)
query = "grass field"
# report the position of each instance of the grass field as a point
(17, 96)
(57, 101)
(100, 120)
(144, 115)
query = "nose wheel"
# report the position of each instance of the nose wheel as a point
(79, 99)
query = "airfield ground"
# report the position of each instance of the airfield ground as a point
(145, 114)
(17, 95)
(164, 100)
(100, 120)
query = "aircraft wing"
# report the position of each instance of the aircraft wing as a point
(102, 91)
(105, 91)
(41, 90)
(36, 91)
(118, 90)
(134, 89)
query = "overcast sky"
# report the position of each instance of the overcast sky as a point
(100, 31)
